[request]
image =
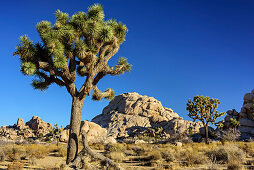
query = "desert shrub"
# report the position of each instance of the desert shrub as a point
(62, 152)
(130, 153)
(32, 160)
(15, 153)
(116, 147)
(230, 135)
(116, 155)
(218, 155)
(15, 166)
(248, 147)
(190, 157)
(175, 166)
(98, 146)
(37, 151)
(234, 165)
(213, 166)
(138, 150)
(168, 156)
(226, 153)
(2, 155)
(154, 155)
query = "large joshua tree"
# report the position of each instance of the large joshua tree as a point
(81, 44)
(205, 110)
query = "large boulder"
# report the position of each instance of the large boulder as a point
(180, 126)
(130, 112)
(94, 133)
(64, 136)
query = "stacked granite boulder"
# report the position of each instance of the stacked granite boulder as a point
(246, 116)
(231, 114)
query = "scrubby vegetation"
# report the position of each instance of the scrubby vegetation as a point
(216, 155)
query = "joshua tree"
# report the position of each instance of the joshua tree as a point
(205, 110)
(81, 44)
(234, 123)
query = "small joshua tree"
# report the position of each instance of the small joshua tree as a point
(56, 133)
(234, 123)
(81, 44)
(205, 110)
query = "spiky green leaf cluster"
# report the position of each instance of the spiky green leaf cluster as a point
(61, 18)
(123, 65)
(40, 85)
(111, 94)
(28, 68)
(96, 12)
(234, 122)
(220, 124)
(25, 49)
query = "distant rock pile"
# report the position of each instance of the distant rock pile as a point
(130, 112)
(33, 128)
(36, 128)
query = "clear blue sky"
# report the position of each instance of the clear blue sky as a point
(178, 49)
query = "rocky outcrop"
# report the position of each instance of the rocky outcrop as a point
(36, 128)
(231, 114)
(33, 128)
(130, 112)
(39, 126)
(21, 124)
(246, 116)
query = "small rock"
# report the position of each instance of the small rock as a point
(139, 142)
(179, 144)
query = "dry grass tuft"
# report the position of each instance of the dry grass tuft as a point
(15, 166)
(116, 156)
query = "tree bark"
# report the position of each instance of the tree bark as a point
(76, 112)
(206, 134)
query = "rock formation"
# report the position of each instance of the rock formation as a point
(33, 128)
(231, 114)
(246, 118)
(130, 112)
(38, 129)
(39, 126)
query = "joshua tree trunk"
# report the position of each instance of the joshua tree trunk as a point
(76, 112)
(206, 133)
